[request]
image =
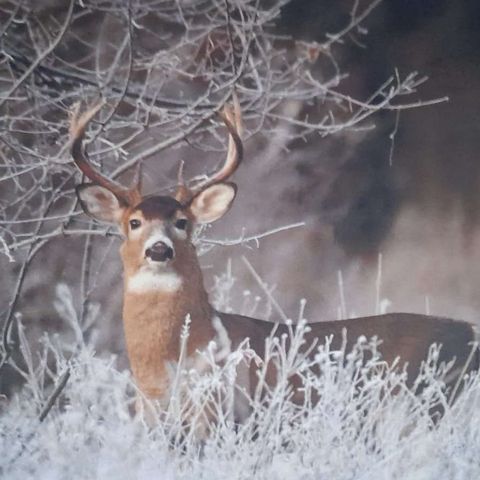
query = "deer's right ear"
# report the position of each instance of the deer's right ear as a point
(213, 202)
(100, 203)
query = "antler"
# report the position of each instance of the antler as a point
(129, 196)
(78, 125)
(233, 122)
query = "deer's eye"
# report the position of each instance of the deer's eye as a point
(134, 224)
(181, 223)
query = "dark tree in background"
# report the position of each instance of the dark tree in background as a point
(313, 86)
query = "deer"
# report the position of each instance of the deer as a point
(163, 281)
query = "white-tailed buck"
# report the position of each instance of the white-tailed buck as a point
(163, 282)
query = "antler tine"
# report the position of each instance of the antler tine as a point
(78, 126)
(233, 122)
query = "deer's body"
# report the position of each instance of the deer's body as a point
(163, 282)
(153, 337)
(407, 336)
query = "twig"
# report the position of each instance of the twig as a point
(55, 394)
(172, 140)
(6, 349)
(6, 250)
(60, 232)
(252, 238)
(42, 56)
(355, 21)
(392, 137)
(262, 285)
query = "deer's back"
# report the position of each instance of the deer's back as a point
(404, 335)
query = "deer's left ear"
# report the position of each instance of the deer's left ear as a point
(213, 202)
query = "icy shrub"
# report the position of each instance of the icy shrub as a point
(354, 418)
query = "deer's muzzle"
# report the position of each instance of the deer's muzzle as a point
(159, 252)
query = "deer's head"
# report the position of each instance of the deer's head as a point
(156, 229)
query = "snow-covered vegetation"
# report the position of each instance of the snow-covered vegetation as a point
(358, 420)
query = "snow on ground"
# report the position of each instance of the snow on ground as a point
(357, 430)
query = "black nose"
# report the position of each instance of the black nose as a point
(159, 252)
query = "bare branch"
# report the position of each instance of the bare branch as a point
(62, 382)
(41, 57)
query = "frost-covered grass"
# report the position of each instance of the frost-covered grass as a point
(358, 429)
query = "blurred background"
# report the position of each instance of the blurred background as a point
(417, 206)
(389, 202)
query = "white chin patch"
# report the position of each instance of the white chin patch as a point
(147, 280)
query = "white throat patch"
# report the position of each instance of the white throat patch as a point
(147, 280)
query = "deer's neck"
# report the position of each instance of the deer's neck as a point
(155, 308)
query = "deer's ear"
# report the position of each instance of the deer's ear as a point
(100, 203)
(213, 202)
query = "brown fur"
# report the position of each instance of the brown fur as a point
(403, 335)
(153, 320)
